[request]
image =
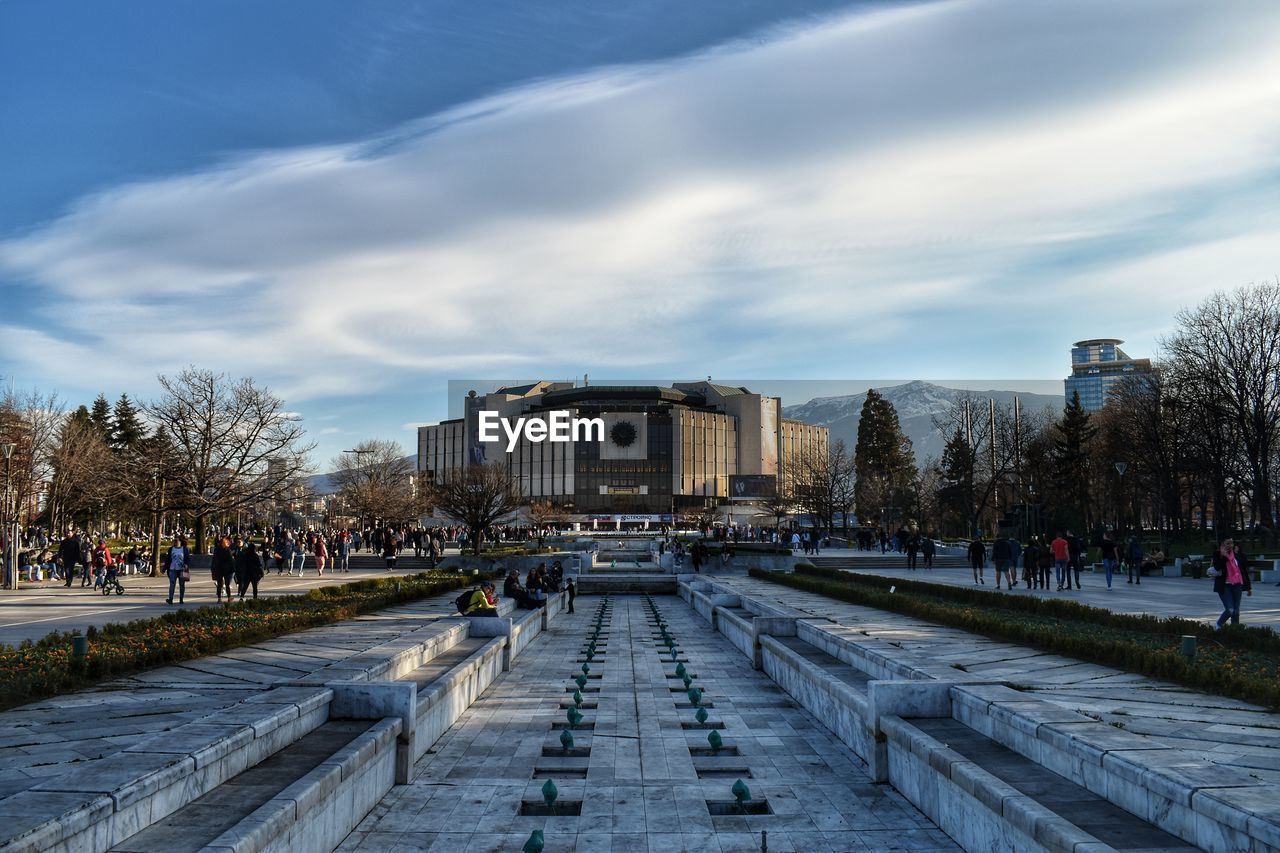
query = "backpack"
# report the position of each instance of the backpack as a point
(462, 601)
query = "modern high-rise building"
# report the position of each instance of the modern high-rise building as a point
(1096, 366)
(662, 449)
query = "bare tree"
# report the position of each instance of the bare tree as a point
(31, 421)
(375, 481)
(1232, 342)
(823, 483)
(478, 497)
(238, 442)
(544, 513)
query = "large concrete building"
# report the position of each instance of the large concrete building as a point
(661, 449)
(1096, 366)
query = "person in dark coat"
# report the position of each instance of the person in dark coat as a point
(69, 555)
(222, 567)
(248, 570)
(978, 558)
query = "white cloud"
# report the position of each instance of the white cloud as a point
(770, 202)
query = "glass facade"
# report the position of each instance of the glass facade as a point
(1096, 366)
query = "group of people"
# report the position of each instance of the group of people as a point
(539, 583)
(1060, 560)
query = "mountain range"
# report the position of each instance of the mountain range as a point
(917, 404)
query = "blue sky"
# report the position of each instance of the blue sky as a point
(355, 203)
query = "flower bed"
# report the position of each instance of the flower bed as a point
(46, 668)
(1240, 662)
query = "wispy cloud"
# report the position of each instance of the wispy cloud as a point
(761, 207)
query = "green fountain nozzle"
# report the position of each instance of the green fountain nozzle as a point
(717, 742)
(680, 670)
(535, 844)
(687, 680)
(581, 681)
(566, 739)
(550, 792)
(695, 695)
(675, 654)
(575, 717)
(577, 697)
(741, 792)
(701, 716)
(586, 668)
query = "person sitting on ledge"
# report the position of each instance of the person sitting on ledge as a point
(482, 603)
(512, 589)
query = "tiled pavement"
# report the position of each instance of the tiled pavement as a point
(47, 738)
(1214, 728)
(641, 791)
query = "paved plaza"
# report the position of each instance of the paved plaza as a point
(1214, 728)
(1184, 597)
(35, 610)
(641, 789)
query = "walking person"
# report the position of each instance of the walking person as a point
(978, 559)
(342, 553)
(1134, 557)
(1108, 555)
(913, 548)
(1061, 550)
(69, 555)
(179, 568)
(927, 550)
(222, 567)
(1002, 557)
(1076, 552)
(321, 552)
(1031, 562)
(389, 550)
(248, 570)
(1230, 581)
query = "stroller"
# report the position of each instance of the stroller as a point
(109, 580)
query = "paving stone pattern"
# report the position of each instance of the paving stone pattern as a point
(51, 737)
(641, 790)
(1213, 728)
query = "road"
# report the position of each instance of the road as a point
(37, 609)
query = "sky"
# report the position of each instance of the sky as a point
(355, 203)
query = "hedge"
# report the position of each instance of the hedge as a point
(46, 668)
(1240, 662)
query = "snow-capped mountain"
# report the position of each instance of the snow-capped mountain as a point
(917, 403)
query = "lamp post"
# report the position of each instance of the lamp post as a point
(157, 493)
(1121, 467)
(10, 525)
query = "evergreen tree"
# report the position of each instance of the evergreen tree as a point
(1071, 464)
(81, 416)
(100, 416)
(127, 428)
(883, 460)
(958, 496)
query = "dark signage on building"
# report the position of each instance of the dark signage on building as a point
(747, 486)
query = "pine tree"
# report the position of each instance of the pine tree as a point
(81, 416)
(882, 460)
(1071, 464)
(958, 496)
(127, 429)
(100, 416)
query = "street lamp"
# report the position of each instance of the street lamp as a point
(11, 545)
(1121, 467)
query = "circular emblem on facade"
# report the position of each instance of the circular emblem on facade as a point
(623, 434)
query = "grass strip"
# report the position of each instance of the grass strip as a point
(37, 670)
(1243, 663)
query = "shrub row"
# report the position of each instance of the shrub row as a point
(1132, 643)
(1255, 639)
(46, 668)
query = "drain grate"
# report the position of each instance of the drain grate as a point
(723, 772)
(572, 752)
(732, 808)
(561, 808)
(561, 773)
